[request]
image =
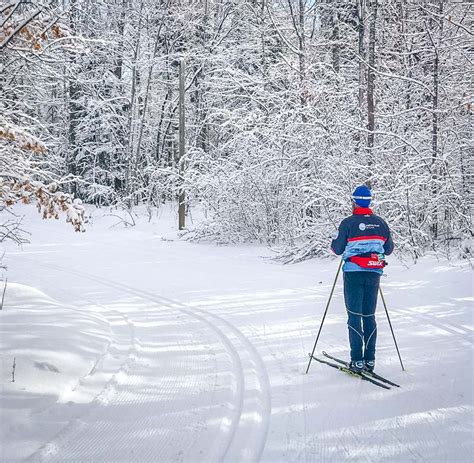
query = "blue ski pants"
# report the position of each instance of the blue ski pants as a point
(360, 295)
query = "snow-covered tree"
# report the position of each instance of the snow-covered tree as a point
(32, 37)
(289, 105)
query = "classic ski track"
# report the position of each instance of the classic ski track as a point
(109, 388)
(260, 434)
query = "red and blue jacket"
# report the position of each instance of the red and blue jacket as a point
(364, 238)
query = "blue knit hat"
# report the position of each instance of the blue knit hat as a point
(362, 196)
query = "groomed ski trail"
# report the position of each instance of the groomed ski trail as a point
(243, 428)
(323, 416)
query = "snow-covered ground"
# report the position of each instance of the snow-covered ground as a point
(131, 345)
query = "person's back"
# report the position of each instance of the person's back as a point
(363, 239)
(360, 234)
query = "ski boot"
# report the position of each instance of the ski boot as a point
(369, 365)
(356, 366)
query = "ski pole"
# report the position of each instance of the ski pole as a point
(391, 329)
(324, 316)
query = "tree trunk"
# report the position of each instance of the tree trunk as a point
(371, 84)
(129, 146)
(435, 122)
(74, 109)
(335, 40)
(182, 194)
(361, 35)
(119, 51)
(302, 58)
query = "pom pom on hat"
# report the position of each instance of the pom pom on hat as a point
(362, 196)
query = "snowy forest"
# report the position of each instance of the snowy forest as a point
(287, 106)
(189, 150)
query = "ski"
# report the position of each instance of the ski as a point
(350, 372)
(367, 373)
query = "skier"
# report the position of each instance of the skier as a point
(364, 240)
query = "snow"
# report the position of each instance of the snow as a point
(56, 349)
(133, 345)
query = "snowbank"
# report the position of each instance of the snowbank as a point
(54, 347)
